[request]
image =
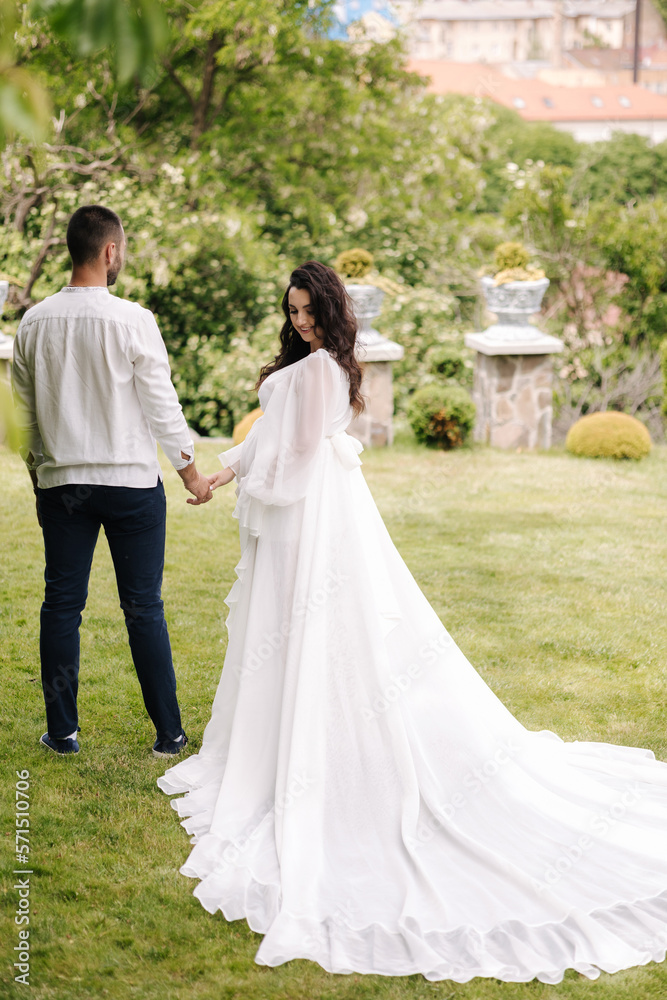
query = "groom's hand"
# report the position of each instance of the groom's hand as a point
(201, 490)
(195, 483)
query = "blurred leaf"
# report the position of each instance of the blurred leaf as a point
(10, 431)
(134, 30)
(24, 105)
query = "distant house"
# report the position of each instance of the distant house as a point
(510, 31)
(480, 30)
(588, 113)
(616, 65)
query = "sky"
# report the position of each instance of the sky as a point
(347, 11)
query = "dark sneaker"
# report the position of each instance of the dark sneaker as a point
(59, 746)
(170, 748)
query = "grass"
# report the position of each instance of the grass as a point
(548, 570)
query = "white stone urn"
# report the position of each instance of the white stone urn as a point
(513, 303)
(376, 354)
(367, 302)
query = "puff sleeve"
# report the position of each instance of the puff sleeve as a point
(277, 459)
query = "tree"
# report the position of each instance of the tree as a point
(130, 32)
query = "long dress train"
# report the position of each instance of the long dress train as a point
(361, 796)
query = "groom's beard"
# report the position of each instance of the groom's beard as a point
(115, 269)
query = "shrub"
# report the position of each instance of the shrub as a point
(608, 435)
(447, 361)
(242, 429)
(663, 366)
(512, 264)
(441, 415)
(510, 255)
(354, 263)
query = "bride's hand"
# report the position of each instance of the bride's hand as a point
(221, 478)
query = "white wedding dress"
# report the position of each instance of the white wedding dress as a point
(361, 796)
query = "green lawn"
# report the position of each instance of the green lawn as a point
(548, 570)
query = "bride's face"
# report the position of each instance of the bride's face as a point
(303, 317)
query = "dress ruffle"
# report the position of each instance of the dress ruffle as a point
(240, 879)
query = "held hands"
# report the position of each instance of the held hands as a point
(212, 483)
(195, 483)
(202, 486)
(199, 486)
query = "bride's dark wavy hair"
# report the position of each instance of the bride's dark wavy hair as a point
(334, 315)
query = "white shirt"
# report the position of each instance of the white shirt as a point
(92, 375)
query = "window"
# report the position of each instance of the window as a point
(597, 101)
(518, 102)
(624, 101)
(548, 102)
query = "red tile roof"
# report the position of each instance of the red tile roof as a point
(536, 100)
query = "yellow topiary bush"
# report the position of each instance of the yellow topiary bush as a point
(244, 425)
(356, 263)
(608, 435)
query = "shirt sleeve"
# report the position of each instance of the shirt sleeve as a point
(289, 434)
(157, 395)
(23, 388)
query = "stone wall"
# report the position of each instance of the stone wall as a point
(513, 396)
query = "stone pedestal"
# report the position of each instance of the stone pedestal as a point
(6, 343)
(375, 354)
(375, 427)
(512, 390)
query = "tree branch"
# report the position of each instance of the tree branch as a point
(24, 298)
(179, 83)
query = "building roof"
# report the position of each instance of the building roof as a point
(502, 10)
(482, 10)
(537, 100)
(650, 57)
(598, 8)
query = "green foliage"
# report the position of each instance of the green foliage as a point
(623, 168)
(447, 361)
(609, 435)
(634, 242)
(24, 104)
(132, 31)
(10, 432)
(661, 6)
(516, 144)
(441, 415)
(258, 142)
(422, 321)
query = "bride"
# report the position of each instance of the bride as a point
(361, 797)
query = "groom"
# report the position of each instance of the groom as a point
(91, 375)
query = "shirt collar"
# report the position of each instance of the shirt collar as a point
(85, 288)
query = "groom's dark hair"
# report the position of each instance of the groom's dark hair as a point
(89, 230)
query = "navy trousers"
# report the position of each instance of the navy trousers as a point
(134, 522)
